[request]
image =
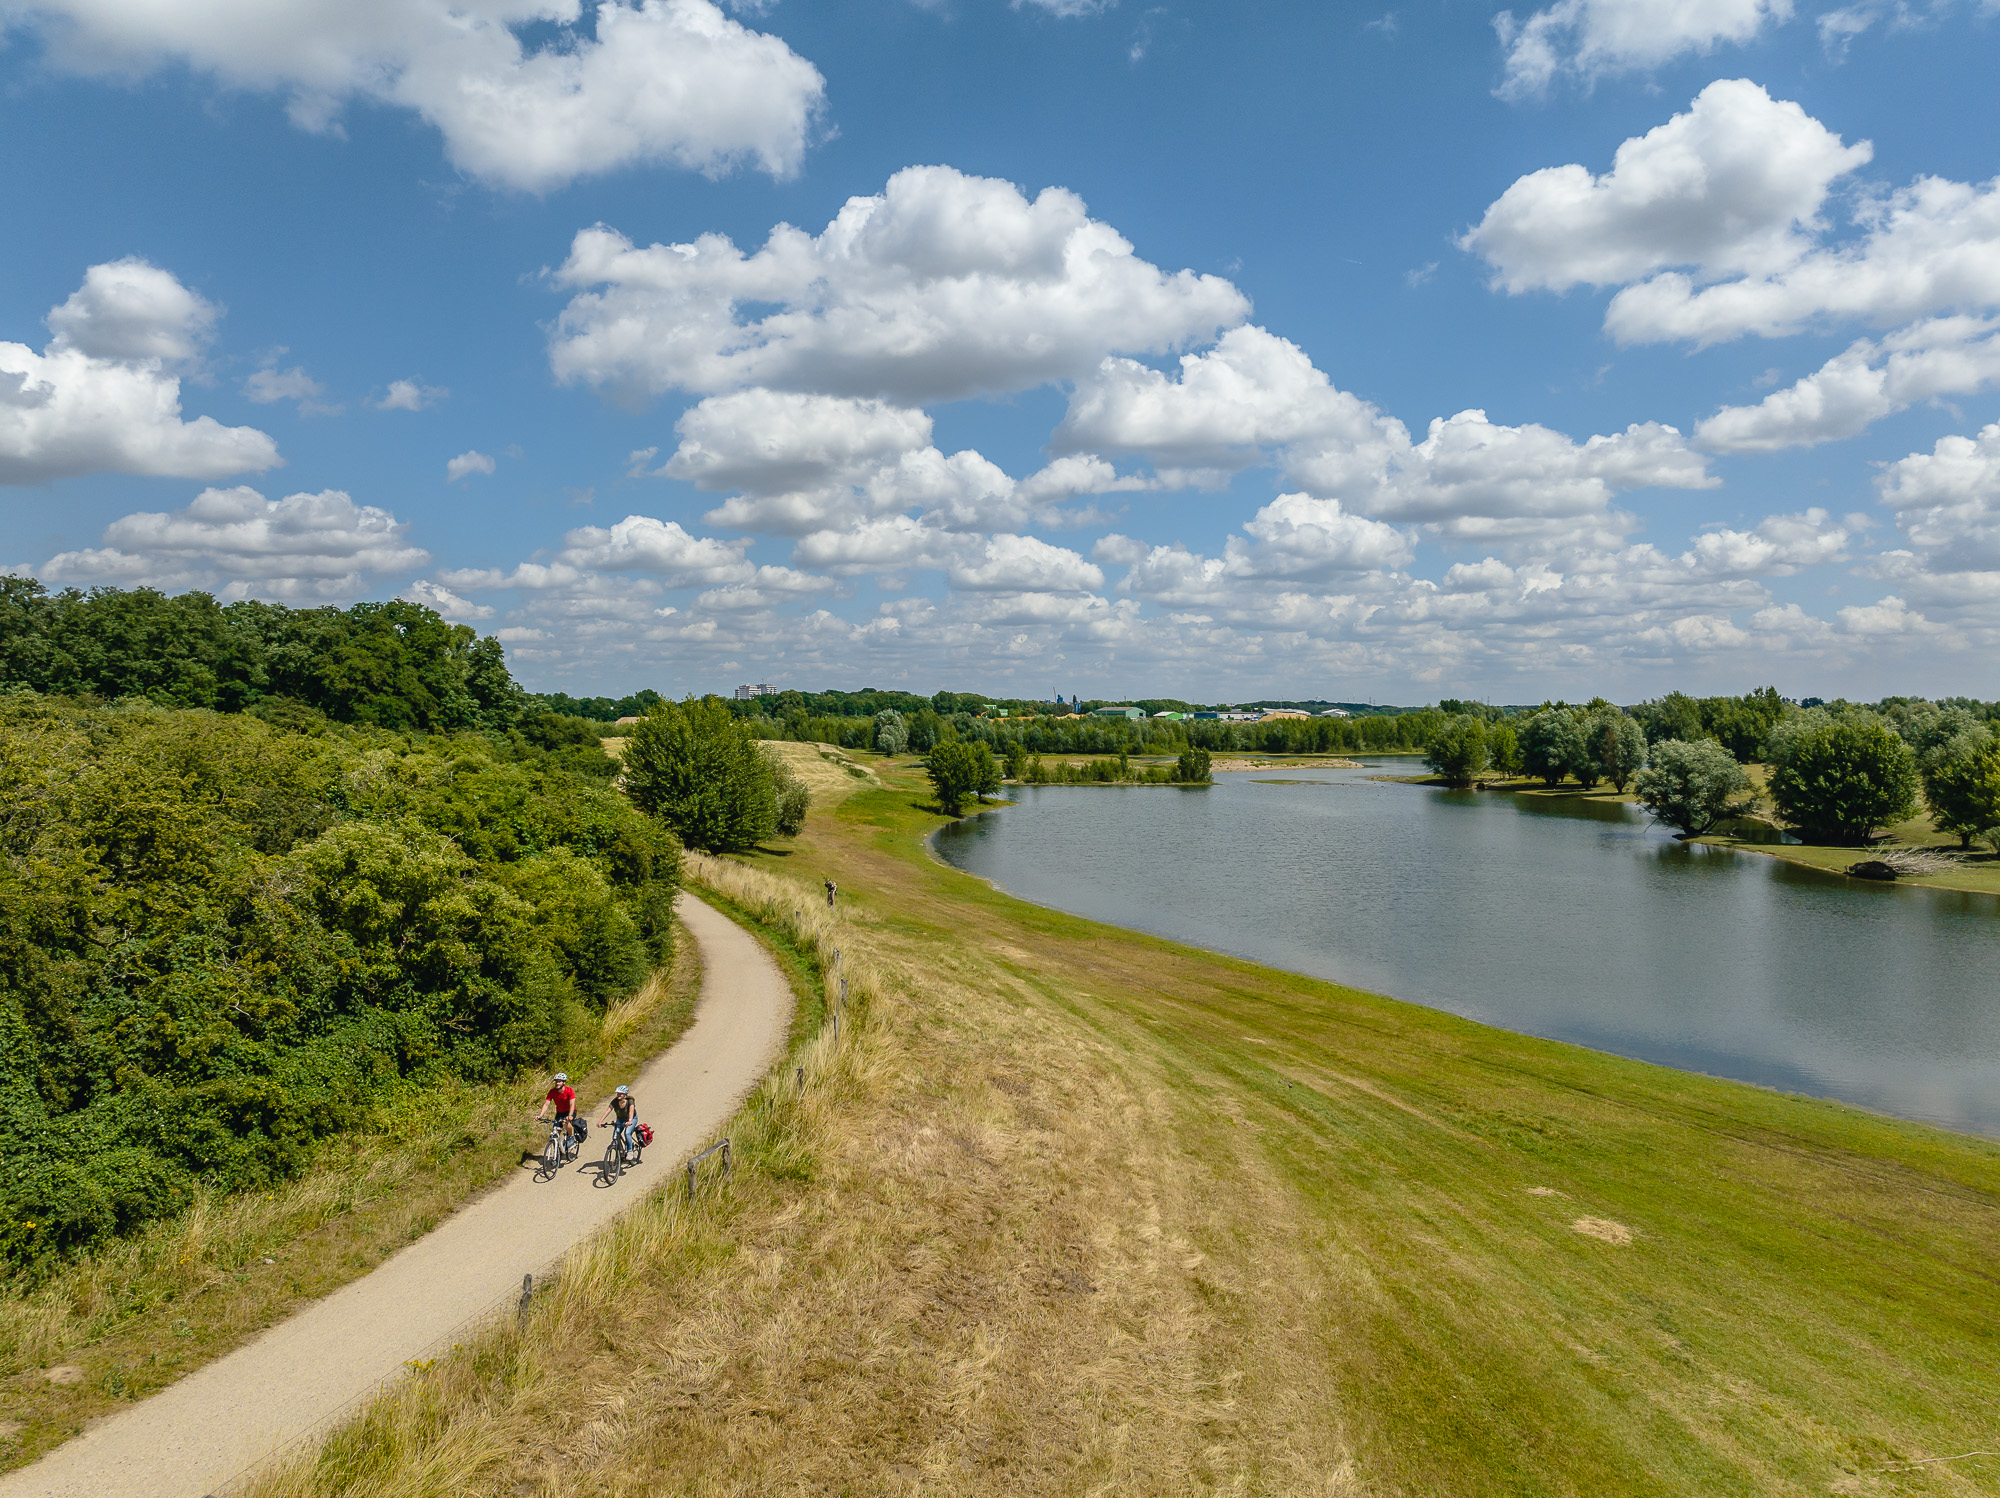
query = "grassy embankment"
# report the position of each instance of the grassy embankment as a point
(1077, 1210)
(135, 1316)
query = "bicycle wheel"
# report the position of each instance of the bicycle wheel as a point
(614, 1162)
(551, 1157)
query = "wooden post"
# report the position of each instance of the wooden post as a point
(527, 1294)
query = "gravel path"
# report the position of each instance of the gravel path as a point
(211, 1428)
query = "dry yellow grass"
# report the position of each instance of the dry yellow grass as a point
(1074, 1210)
(830, 774)
(968, 1257)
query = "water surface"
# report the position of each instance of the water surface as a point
(1560, 917)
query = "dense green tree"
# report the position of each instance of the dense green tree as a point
(695, 766)
(1693, 786)
(892, 734)
(1457, 750)
(1674, 716)
(393, 665)
(960, 769)
(926, 728)
(223, 939)
(1838, 779)
(1503, 748)
(1743, 724)
(1961, 780)
(1615, 744)
(1552, 744)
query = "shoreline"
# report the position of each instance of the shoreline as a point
(928, 841)
(1977, 879)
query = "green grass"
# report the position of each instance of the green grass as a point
(1075, 1210)
(1807, 1298)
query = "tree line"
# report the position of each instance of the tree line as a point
(1836, 772)
(393, 665)
(925, 726)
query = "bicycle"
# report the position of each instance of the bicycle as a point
(622, 1150)
(560, 1148)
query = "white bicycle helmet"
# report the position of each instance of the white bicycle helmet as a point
(562, 1076)
(623, 1088)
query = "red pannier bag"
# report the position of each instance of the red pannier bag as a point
(645, 1135)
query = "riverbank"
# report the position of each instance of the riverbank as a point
(1088, 1210)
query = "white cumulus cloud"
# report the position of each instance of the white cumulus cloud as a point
(1868, 380)
(1929, 248)
(1254, 397)
(101, 397)
(310, 545)
(131, 310)
(1025, 564)
(441, 600)
(1734, 185)
(941, 286)
(1948, 501)
(1590, 39)
(410, 395)
(672, 82)
(467, 464)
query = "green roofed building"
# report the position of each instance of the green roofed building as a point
(1117, 712)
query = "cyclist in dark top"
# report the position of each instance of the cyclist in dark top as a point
(561, 1097)
(625, 1109)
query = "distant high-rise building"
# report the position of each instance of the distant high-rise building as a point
(762, 689)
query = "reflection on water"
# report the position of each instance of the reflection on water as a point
(1557, 916)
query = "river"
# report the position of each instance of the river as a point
(1555, 916)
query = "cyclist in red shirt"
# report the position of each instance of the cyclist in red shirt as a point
(561, 1097)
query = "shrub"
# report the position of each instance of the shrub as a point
(793, 800)
(1693, 786)
(1192, 768)
(305, 917)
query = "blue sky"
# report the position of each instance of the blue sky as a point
(1116, 370)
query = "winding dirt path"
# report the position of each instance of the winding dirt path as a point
(209, 1430)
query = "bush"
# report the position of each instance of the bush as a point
(1457, 749)
(1693, 786)
(1838, 779)
(695, 766)
(301, 919)
(793, 800)
(1192, 768)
